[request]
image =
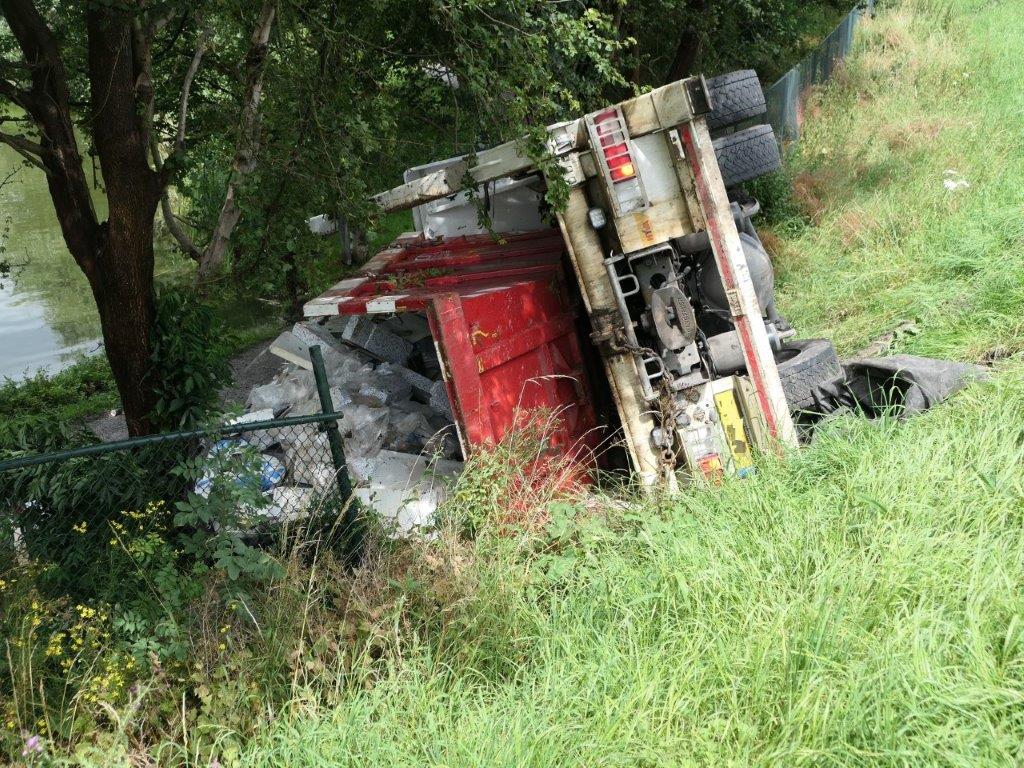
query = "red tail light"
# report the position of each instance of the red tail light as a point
(614, 146)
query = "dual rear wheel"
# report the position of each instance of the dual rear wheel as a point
(745, 154)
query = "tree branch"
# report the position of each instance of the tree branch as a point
(180, 236)
(27, 149)
(14, 94)
(186, 88)
(177, 232)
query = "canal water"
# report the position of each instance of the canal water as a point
(47, 315)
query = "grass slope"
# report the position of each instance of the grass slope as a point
(861, 604)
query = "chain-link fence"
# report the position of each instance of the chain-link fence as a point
(785, 97)
(62, 512)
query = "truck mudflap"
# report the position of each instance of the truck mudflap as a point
(504, 328)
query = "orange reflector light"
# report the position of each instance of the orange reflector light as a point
(623, 172)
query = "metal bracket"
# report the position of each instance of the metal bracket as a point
(700, 96)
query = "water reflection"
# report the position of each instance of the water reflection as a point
(47, 315)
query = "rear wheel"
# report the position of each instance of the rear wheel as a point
(748, 154)
(735, 97)
(803, 365)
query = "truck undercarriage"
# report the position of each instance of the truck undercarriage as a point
(673, 287)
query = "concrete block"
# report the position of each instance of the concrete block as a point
(386, 386)
(361, 331)
(294, 347)
(314, 333)
(421, 385)
(439, 400)
(288, 347)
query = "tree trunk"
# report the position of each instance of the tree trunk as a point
(117, 255)
(123, 285)
(124, 298)
(688, 48)
(246, 148)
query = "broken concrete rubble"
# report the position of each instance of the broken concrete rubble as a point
(363, 332)
(439, 399)
(396, 422)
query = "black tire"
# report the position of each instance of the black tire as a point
(803, 365)
(747, 154)
(735, 97)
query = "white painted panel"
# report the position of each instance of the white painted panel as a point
(655, 167)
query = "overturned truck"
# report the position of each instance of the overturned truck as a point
(640, 313)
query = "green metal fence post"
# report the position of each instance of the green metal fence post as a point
(353, 531)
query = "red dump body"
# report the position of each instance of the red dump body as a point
(503, 319)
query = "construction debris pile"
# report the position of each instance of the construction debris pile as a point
(397, 429)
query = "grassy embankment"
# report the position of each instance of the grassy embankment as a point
(860, 604)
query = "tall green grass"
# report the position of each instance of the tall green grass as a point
(860, 602)
(936, 87)
(859, 605)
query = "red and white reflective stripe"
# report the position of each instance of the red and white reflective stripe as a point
(728, 252)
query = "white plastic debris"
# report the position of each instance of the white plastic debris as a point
(284, 390)
(339, 399)
(322, 224)
(406, 491)
(348, 371)
(261, 439)
(954, 180)
(272, 469)
(290, 502)
(408, 432)
(307, 454)
(363, 429)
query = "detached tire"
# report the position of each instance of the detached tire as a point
(802, 366)
(747, 154)
(736, 96)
